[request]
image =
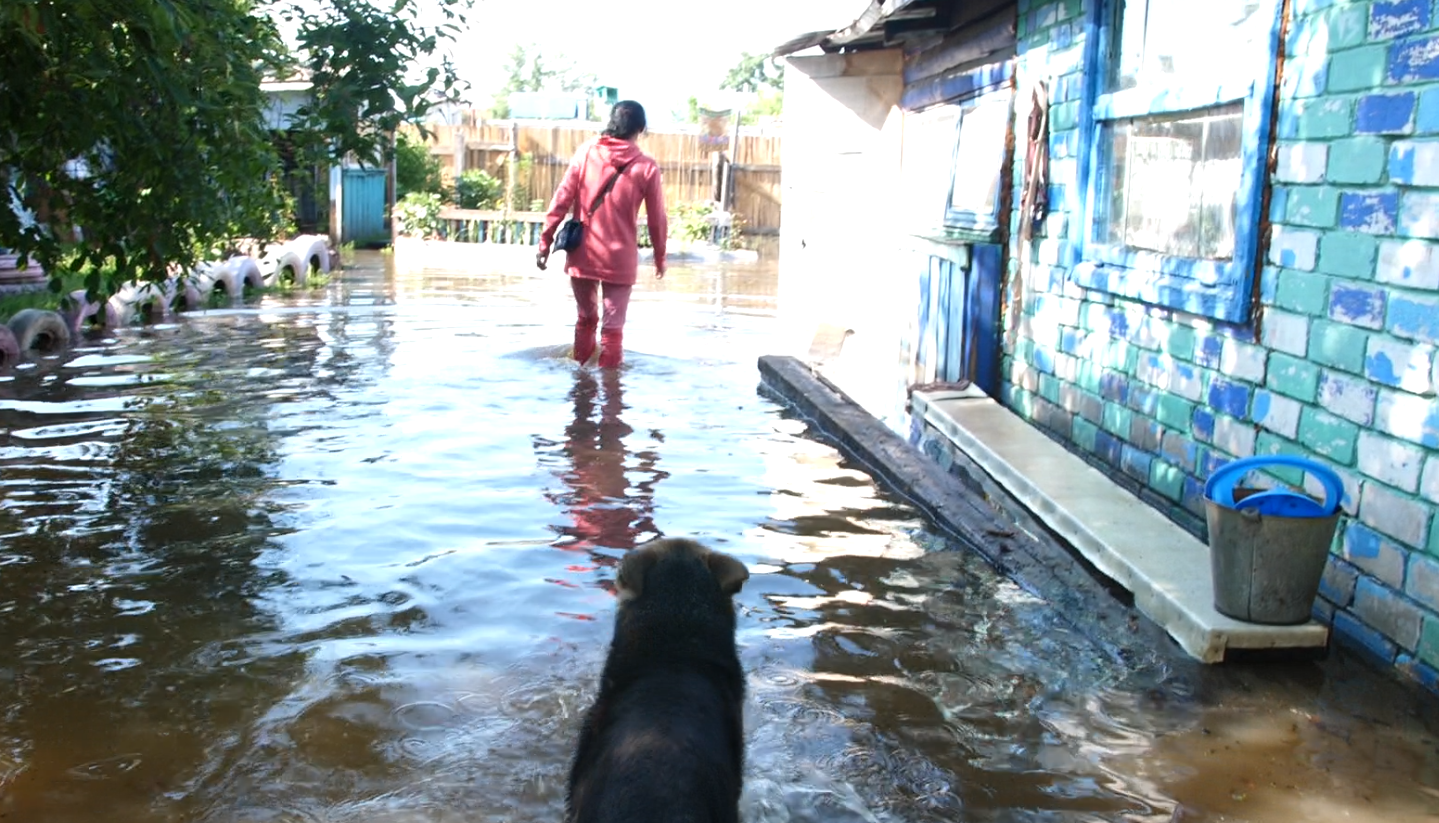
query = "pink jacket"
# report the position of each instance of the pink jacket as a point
(610, 248)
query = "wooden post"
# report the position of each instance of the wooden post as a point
(511, 167)
(459, 148)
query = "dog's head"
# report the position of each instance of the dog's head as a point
(666, 560)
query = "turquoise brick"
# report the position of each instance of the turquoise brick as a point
(1333, 437)
(1175, 412)
(1268, 443)
(1317, 119)
(1314, 206)
(1358, 69)
(1349, 254)
(1302, 292)
(1088, 377)
(1121, 356)
(1049, 387)
(1180, 342)
(1293, 377)
(1429, 641)
(1167, 479)
(1117, 419)
(1334, 28)
(1085, 434)
(1357, 160)
(1338, 345)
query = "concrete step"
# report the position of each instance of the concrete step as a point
(1164, 566)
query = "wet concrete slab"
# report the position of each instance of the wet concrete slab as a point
(1016, 474)
(967, 504)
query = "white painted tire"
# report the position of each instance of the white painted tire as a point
(220, 277)
(118, 312)
(160, 298)
(39, 330)
(79, 310)
(288, 266)
(312, 251)
(247, 272)
(9, 348)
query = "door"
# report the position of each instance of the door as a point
(363, 204)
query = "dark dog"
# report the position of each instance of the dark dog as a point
(664, 740)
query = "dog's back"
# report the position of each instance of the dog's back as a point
(664, 740)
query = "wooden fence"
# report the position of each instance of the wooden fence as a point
(685, 161)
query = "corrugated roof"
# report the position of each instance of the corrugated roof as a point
(868, 29)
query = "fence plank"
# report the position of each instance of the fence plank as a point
(684, 162)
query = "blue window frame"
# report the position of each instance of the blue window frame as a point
(1176, 133)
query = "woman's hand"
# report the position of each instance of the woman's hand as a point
(660, 272)
(541, 259)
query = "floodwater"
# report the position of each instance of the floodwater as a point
(346, 556)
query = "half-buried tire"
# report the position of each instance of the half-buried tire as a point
(9, 348)
(40, 330)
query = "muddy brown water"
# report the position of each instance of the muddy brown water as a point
(346, 556)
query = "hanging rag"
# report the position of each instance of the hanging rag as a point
(1033, 204)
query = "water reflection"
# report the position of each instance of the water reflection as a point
(609, 512)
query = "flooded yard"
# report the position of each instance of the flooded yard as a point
(347, 556)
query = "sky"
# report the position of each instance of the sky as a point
(646, 48)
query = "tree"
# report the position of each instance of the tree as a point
(755, 73)
(141, 122)
(528, 70)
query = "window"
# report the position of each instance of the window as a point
(1178, 131)
(978, 164)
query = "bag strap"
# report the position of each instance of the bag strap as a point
(600, 198)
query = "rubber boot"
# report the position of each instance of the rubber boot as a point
(612, 348)
(585, 340)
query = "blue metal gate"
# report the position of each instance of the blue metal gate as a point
(363, 213)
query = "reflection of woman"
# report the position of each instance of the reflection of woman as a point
(605, 512)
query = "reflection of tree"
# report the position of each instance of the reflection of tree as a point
(131, 616)
(606, 512)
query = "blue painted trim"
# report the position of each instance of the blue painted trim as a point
(1218, 289)
(986, 281)
(971, 83)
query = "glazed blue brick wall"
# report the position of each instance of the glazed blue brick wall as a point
(1340, 362)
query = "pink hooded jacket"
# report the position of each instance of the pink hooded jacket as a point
(609, 250)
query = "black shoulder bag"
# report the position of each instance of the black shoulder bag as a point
(569, 236)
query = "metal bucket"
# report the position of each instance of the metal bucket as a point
(1268, 547)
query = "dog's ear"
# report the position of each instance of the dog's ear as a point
(631, 577)
(730, 573)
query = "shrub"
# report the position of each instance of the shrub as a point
(478, 189)
(418, 215)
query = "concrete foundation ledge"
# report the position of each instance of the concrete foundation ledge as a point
(1164, 566)
(963, 502)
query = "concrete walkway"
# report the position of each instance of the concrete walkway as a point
(1164, 566)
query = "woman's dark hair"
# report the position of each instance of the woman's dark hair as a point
(627, 120)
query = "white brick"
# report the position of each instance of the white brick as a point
(1393, 514)
(1419, 214)
(1391, 461)
(1294, 248)
(1234, 436)
(1425, 155)
(1243, 361)
(1405, 416)
(1350, 502)
(1410, 364)
(1283, 415)
(1349, 397)
(1302, 163)
(1412, 263)
(1286, 332)
(1429, 483)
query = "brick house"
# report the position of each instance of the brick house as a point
(1237, 254)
